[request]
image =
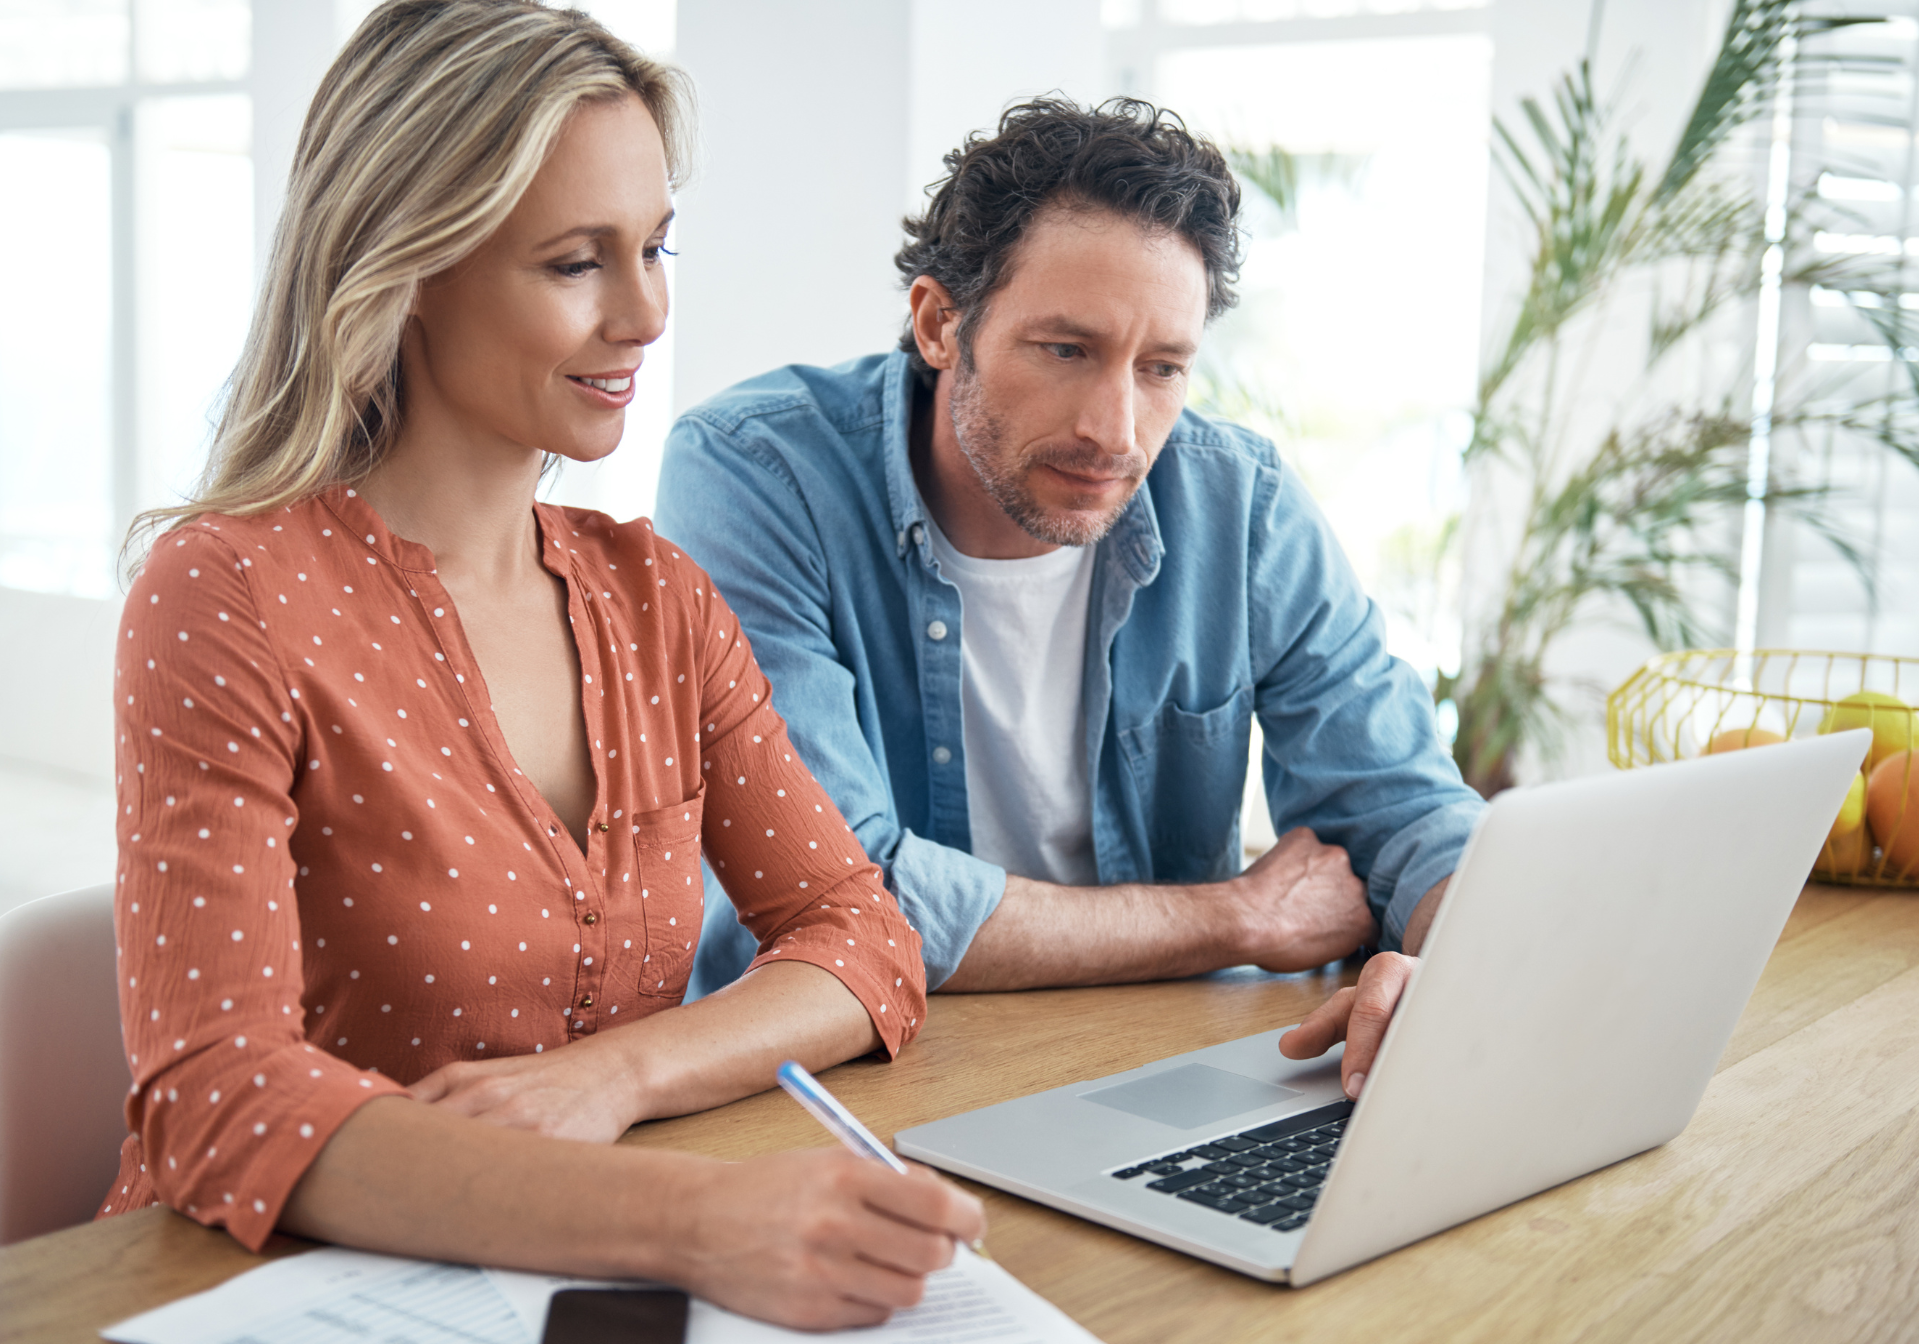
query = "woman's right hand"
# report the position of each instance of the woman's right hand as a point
(819, 1239)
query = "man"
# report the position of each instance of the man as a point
(1019, 606)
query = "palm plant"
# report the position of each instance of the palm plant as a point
(1647, 513)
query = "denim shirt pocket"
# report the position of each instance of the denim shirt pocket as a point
(666, 845)
(1190, 773)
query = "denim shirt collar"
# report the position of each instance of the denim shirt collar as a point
(1134, 542)
(902, 491)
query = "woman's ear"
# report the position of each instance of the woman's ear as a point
(935, 322)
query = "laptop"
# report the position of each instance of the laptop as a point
(1587, 967)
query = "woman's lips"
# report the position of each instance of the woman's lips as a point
(610, 390)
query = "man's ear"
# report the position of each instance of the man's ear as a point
(935, 322)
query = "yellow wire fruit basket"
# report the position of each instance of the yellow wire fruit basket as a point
(1702, 701)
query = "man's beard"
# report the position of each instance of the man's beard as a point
(982, 438)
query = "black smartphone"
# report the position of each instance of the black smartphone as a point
(616, 1316)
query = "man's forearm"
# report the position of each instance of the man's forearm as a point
(1042, 934)
(1420, 923)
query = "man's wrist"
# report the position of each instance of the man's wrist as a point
(1240, 928)
(1421, 920)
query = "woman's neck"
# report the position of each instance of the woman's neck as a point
(469, 503)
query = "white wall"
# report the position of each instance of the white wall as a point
(966, 70)
(786, 234)
(819, 126)
(56, 683)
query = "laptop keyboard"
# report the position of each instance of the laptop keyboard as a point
(1270, 1175)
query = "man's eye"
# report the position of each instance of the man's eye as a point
(1167, 371)
(1059, 351)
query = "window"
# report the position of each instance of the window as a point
(1854, 145)
(132, 235)
(125, 130)
(1355, 342)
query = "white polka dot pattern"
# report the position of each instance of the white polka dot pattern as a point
(331, 871)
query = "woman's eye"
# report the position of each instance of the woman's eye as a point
(656, 251)
(574, 270)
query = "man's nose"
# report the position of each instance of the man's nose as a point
(1106, 416)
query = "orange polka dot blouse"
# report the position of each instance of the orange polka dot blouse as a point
(333, 880)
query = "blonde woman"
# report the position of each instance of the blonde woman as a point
(415, 772)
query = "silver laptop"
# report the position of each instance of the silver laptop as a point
(1587, 967)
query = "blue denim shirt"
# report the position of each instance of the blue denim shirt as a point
(1219, 594)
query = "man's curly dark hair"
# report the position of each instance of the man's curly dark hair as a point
(1125, 155)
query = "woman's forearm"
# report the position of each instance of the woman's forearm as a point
(729, 1045)
(410, 1179)
(815, 1239)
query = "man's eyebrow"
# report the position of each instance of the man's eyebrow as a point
(1066, 326)
(598, 231)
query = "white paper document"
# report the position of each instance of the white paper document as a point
(335, 1296)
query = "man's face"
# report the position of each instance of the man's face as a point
(1078, 370)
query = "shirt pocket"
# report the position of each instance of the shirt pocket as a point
(666, 857)
(1189, 769)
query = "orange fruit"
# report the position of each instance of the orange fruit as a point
(1892, 810)
(1736, 739)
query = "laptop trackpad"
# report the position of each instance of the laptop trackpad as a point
(1190, 1096)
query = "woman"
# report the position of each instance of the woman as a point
(415, 773)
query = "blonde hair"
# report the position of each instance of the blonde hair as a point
(425, 133)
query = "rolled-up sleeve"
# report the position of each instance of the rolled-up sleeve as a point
(795, 871)
(230, 1101)
(1351, 746)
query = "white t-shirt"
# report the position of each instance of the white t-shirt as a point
(1023, 658)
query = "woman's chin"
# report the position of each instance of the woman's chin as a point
(588, 451)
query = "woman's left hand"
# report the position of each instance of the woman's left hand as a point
(574, 1092)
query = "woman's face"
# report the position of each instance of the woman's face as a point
(532, 342)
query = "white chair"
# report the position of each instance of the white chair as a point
(63, 1069)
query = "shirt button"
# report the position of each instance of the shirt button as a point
(936, 631)
(941, 755)
(919, 534)
(587, 1002)
(592, 918)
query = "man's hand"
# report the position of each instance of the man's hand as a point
(1357, 1015)
(1301, 906)
(1360, 1015)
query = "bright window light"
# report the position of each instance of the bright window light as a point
(46, 44)
(1836, 188)
(192, 41)
(56, 366)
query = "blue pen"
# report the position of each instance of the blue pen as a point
(824, 1107)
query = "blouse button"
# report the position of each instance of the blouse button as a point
(587, 1002)
(592, 918)
(604, 828)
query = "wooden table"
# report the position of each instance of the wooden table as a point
(1788, 1210)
